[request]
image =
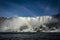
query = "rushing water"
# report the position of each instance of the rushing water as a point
(28, 24)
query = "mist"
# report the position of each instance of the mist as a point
(28, 24)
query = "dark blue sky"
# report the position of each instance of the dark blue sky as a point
(10, 8)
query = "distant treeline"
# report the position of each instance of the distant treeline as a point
(2, 19)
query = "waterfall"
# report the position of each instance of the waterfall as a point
(27, 24)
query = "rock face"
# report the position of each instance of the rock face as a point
(31, 24)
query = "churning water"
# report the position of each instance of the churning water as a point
(28, 24)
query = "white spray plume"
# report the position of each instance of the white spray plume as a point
(26, 24)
